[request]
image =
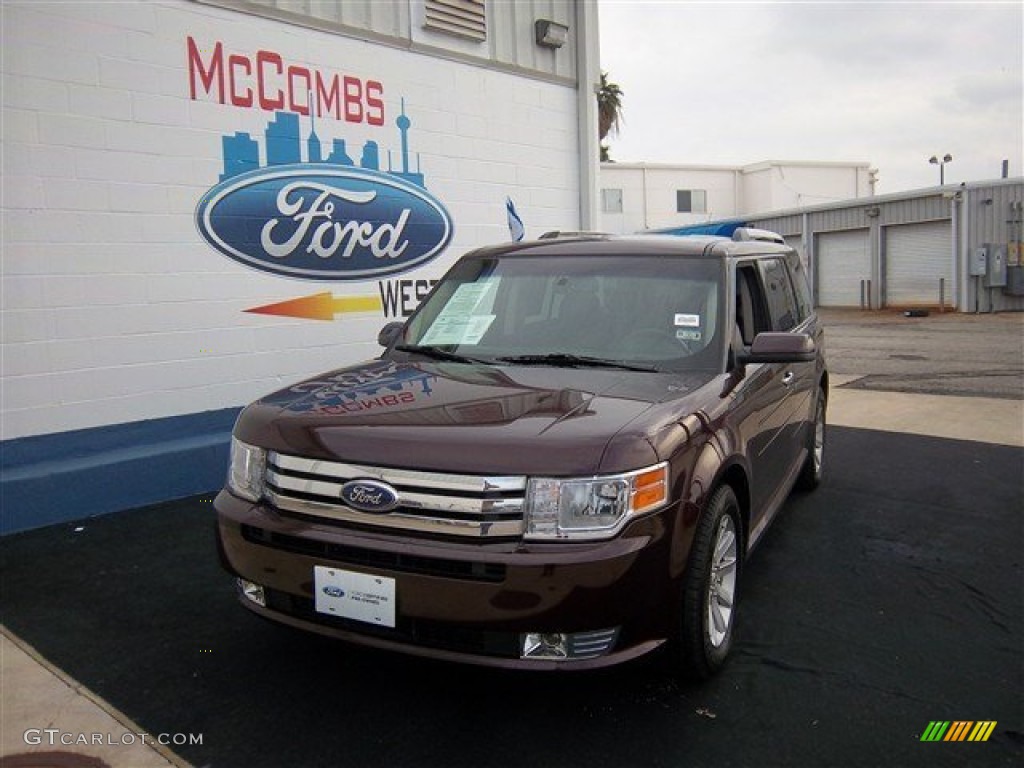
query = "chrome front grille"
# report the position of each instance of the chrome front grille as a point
(429, 502)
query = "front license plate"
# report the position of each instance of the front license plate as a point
(357, 596)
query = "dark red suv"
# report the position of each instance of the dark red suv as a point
(560, 461)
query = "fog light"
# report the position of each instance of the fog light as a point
(574, 645)
(253, 592)
(545, 645)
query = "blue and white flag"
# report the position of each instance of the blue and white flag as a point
(515, 224)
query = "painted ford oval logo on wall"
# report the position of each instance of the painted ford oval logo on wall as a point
(324, 222)
(369, 496)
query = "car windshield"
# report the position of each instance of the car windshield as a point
(636, 312)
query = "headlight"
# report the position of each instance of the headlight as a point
(592, 508)
(248, 466)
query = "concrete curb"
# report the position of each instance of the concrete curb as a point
(981, 419)
(38, 696)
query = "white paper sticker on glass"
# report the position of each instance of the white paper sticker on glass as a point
(457, 330)
(467, 315)
(472, 298)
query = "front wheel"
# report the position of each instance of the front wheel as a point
(710, 589)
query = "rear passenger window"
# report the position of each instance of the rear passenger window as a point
(802, 287)
(779, 293)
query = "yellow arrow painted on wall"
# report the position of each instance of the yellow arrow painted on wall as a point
(320, 306)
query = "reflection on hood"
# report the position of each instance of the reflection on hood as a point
(395, 393)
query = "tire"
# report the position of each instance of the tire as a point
(710, 588)
(814, 467)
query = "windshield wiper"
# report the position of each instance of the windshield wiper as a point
(562, 359)
(437, 353)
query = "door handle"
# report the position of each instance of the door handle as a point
(788, 378)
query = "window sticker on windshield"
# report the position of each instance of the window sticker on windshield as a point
(464, 319)
(688, 321)
(457, 330)
(685, 335)
(469, 297)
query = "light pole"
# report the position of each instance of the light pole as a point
(934, 160)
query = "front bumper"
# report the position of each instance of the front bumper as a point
(466, 602)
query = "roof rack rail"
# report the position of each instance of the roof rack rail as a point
(555, 234)
(757, 235)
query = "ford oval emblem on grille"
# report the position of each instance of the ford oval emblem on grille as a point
(369, 496)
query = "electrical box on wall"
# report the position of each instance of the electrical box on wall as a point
(1014, 281)
(978, 264)
(996, 276)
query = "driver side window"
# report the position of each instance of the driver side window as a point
(752, 315)
(778, 291)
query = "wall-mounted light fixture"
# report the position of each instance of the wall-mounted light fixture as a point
(872, 212)
(550, 34)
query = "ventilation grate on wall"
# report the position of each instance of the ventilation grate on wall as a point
(465, 18)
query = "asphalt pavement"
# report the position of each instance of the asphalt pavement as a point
(943, 353)
(887, 599)
(890, 598)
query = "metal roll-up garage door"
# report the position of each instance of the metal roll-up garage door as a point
(842, 259)
(917, 257)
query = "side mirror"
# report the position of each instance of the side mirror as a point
(390, 333)
(774, 347)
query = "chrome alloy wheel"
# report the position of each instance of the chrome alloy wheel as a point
(819, 436)
(722, 582)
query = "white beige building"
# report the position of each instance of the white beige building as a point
(640, 196)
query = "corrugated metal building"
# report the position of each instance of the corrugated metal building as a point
(955, 247)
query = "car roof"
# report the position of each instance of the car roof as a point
(598, 244)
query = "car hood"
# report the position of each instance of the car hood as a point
(471, 418)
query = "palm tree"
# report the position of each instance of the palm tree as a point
(609, 111)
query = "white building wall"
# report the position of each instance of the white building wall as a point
(779, 186)
(649, 190)
(649, 195)
(114, 308)
(758, 193)
(509, 38)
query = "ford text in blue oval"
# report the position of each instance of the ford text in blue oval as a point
(323, 222)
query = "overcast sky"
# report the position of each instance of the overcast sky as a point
(890, 83)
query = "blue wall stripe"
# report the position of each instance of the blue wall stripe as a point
(47, 479)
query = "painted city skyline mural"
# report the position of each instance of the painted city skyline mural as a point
(301, 208)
